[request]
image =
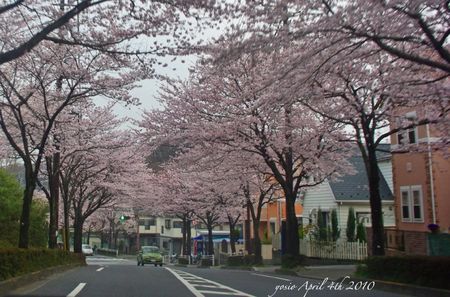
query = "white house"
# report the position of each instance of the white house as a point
(351, 191)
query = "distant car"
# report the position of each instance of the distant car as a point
(87, 250)
(149, 255)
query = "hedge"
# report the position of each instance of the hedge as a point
(206, 262)
(107, 252)
(183, 261)
(247, 260)
(15, 262)
(429, 271)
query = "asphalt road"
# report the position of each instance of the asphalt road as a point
(118, 277)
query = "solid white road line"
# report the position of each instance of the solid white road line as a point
(77, 290)
(280, 278)
(101, 268)
(188, 285)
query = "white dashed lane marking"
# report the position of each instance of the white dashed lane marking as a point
(77, 290)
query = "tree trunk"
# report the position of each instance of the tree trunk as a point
(292, 239)
(248, 243)
(188, 237)
(66, 208)
(111, 233)
(257, 242)
(116, 235)
(88, 235)
(183, 238)
(30, 185)
(53, 176)
(53, 183)
(232, 236)
(78, 233)
(66, 226)
(210, 250)
(375, 204)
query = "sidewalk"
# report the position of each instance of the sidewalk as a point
(339, 272)
(333, 272)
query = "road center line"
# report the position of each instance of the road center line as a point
(280, 278)
(77, 290)
(101, 268)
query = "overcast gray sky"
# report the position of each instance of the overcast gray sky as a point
(148, 91)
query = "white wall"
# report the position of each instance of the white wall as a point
(388, 215)
(318, 196)
(386, 169)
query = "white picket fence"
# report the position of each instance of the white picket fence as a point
(334, 250)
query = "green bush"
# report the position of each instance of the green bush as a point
(11, 208)
(206, 262)
(235, 260)
(107, 252)
(247, 260)
(351, 225)
(15, 262)
(426, 271)
(289, 261)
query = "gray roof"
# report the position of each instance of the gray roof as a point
(356, 187)
(384, 151)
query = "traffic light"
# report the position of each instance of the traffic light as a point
(124, 218)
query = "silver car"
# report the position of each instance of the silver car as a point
(86, 249)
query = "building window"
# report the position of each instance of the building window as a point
(272, 227)
(363, 217)
(162, 229)
(167, 224)
(325, 217)
(412, 203)
(177, 224)
(147, 223)
(408, 136)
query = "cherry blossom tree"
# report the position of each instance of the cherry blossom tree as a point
(36, 89)
(366, 89)
(99, 164)
(235, 107)
(240, 180)
(172, 198)
(367, 62)
(109, 26)
(414, 31)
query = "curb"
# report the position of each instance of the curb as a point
(393, 287)
(14, 283)
(238, 268)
